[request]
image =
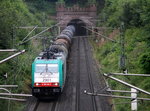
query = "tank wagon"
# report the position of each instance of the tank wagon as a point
(49, 68)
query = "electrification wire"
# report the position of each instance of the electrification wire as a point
(40, 33)
(101, 35)
(29, 33)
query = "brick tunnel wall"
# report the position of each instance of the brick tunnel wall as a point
(86, 14)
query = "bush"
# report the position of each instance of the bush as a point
(145, 62)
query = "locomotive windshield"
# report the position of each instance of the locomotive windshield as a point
(52, 68)
(40, 68)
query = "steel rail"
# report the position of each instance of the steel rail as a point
(54, 106)
(31, 104)
(89, 75)
(78, 77)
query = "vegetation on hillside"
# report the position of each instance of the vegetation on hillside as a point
(135, 14)
(13, 14)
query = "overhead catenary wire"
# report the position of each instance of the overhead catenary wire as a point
(40, 33)
(36, 35)
(9, 86)
(101, 35)
(29, 33)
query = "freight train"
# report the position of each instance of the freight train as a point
(49, 68)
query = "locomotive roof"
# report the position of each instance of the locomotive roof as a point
(47, 61)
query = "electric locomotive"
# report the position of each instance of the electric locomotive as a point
(49, 68)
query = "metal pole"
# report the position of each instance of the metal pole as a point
(122, 54)
(12, 56)
(121, 91)
(11, 94)
(15, 99)
(114, 96)
(92, 31)
(58, 30)
(5, 90)
(12, 34)
(8, 50)
(122, 74)
(11, 86)
(127, 84)
(134, 99)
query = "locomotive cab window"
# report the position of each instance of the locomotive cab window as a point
(53, 68)
(40, 68)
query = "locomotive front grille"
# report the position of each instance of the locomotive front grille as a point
(49, 91)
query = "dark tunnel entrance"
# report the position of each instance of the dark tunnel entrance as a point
(79, 25)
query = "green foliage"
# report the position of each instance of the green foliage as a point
(82, 3)
(136, 16)
(145, 62)
(60, 1)
(15, 13)
(91, 1)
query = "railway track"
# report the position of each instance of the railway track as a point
(81, 75)
(37, 105)
(78, 77)
(46, 106)
(86, 48)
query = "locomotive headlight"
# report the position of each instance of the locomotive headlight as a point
(56, 84)
(37, 84)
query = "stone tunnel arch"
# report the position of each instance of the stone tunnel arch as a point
(79, 25)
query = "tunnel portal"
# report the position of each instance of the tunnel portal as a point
(79, 25)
